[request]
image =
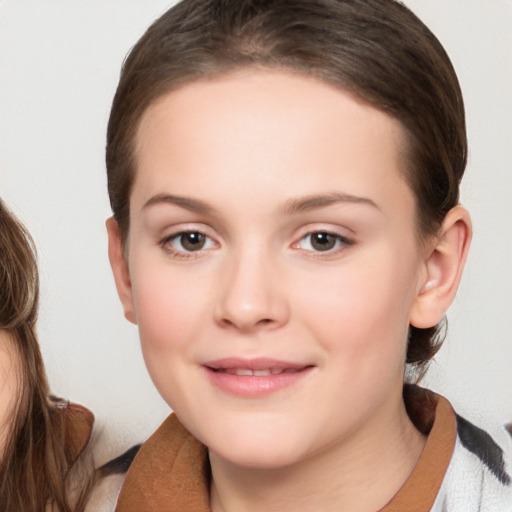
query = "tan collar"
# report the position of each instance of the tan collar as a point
(171, 472)
(420, 489)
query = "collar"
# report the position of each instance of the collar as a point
(171, 470)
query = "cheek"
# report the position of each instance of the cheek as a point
(10, 388)
(168, 314)
(168, 307)
(361, 311)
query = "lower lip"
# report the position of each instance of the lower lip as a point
(252, 386)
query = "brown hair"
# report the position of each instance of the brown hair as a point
(38, 465)
(377, 49)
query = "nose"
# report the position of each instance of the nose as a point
(252, 296)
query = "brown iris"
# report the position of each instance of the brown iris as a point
(323, 241)
(192, 241)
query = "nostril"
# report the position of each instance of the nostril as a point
(227, 322)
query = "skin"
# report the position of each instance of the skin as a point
(9, 385)
(268, 158)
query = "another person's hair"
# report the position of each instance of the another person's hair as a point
(376, 49)
(38, 466)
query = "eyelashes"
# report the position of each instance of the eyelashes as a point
(185, 244)
(323, 242)
(193, 244)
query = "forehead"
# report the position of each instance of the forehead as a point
(300, 97)
(262, 129)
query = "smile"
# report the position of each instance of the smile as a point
(244, 372)
(254, 378)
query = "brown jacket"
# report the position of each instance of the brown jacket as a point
(171, 472)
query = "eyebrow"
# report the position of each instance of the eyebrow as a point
(187, 203)
(294, 205)
(308, 203)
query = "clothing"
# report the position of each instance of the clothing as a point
(479, 478)
(78, 423)
(461, 469)
(103, 497)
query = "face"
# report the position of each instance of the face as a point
(273, 263)
(9, 386)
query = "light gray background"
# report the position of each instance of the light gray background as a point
(59, 65)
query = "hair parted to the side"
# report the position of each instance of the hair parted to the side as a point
(376, 49)
(37, 465)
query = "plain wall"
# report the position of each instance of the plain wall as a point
(59, 65)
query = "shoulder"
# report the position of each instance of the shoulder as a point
(111, 476)
(101, 487)
(490, 447)
(479, 477)
(78, 424)
(477, 473)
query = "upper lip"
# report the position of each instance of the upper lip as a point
(260, 363)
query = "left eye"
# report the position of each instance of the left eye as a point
(322, 241)
(190, 241)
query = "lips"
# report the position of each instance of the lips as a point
(243, 372)
(254, 377)
(261, 363)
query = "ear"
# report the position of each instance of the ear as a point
(120, 269)
(444, 262)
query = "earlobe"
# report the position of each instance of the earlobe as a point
(120, 269)
(444, 263)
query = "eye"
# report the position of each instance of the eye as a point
(323, 241)
(189, 241)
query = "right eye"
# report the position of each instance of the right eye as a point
(188, 241)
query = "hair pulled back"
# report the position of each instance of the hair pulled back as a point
(376, 49)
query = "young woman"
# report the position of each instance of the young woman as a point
(287, 235)
(41, 437)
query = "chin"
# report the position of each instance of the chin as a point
(269, 456)
(255, 446)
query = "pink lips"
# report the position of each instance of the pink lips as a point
(254, 377)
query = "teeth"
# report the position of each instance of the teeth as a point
(262, 373)
(242, 372)
(245, 372)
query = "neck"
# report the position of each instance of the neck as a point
(360, 473)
